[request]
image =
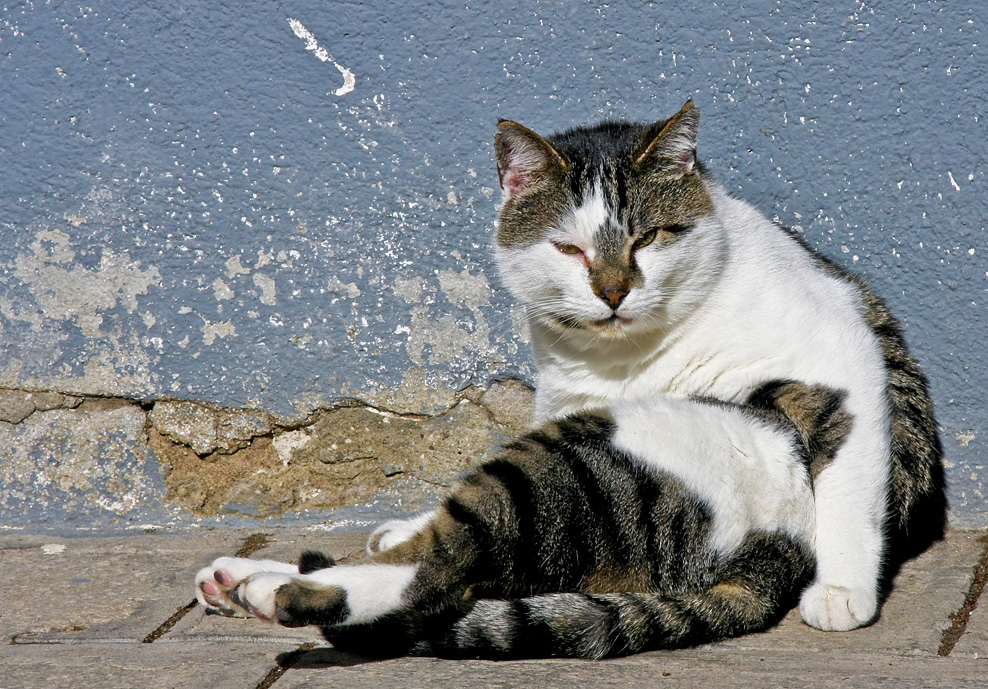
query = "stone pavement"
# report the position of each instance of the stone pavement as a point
(119, 612)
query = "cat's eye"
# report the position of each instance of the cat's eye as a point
(649, 237)
(676, 229)
(645, 239)
(569, 249)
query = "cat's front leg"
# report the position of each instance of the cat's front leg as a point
(396, 531)
(850, 541)
(217, 586)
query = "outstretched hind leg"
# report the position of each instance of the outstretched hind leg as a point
(218, 586)
(422, 575)
(417, 581)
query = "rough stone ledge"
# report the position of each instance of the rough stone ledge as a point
(119, 455)
(17, 405)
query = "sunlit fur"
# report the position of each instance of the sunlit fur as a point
(725, 422)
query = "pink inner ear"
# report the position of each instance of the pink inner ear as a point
(685, 159)
(513, 181)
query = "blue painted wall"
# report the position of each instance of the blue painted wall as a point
(207, 200)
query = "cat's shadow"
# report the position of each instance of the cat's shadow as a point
(323, 657)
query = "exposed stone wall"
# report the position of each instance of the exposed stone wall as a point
(119, 460)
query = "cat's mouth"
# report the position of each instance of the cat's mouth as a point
(610, 325)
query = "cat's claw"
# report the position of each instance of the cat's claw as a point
(837, 608)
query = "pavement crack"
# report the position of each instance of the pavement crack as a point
(285, 663)
(958, 620)
(250, 545)
(167, 625)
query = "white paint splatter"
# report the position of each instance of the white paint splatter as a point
(964, 438)
(311, 44)
(952, 182)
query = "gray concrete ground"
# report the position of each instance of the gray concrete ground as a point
(116, 612)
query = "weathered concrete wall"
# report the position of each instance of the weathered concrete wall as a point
(273, 206)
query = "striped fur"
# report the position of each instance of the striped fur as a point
(583, 538)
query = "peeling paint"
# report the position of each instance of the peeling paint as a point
(409, 289)
(221, 290)
(234, 268)
(251, 240)
(222, 330)
(268, 289)
(447, 338)
(69, 292)
(77, 460)
(350, 289)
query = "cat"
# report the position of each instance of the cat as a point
(651, 523)
(647, 286)
(641, 276)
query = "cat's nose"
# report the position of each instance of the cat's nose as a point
(613, 295)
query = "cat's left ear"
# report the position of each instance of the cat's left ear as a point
(671, 145)
(524, 158)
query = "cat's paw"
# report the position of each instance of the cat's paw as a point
(837, 608)
(391, 533)
(217, 586)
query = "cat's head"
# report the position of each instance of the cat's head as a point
(606, 231)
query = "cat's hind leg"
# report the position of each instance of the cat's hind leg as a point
(422, 577)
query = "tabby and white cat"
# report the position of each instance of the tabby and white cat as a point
(641, 276)
(665, 497)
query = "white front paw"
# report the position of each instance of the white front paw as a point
(391, 533)
(837, 608)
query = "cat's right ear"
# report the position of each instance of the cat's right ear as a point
(523, 158)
